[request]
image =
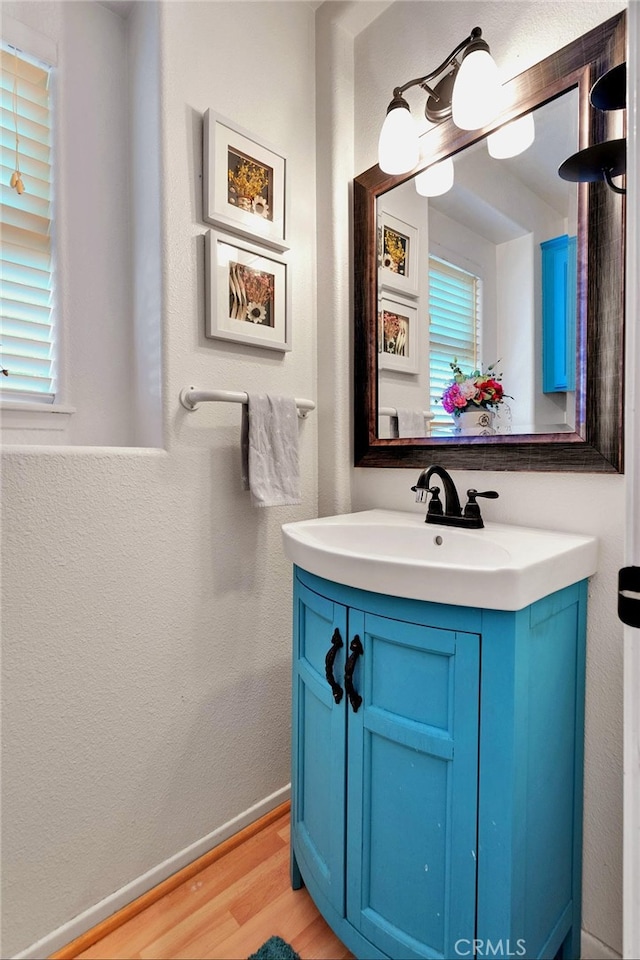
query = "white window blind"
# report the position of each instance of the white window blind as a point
(26, 310)
(454, 328)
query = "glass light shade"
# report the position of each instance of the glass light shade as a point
(512, 139)
(477, 93)
(398, 147)
(435, 180)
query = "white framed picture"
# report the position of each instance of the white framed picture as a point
(397, 255)
(397, 333)
(244, 183)
(247, 293)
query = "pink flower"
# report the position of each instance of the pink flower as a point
(452, 398)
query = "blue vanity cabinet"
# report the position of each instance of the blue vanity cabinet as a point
(446, 808)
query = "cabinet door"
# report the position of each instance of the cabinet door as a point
(318, 749)
(559, 279)
(412, 787)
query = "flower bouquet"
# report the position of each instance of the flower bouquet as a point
(473, 390)
(394, 253)
(248, 183)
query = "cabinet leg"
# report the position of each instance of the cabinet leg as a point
(296, 877)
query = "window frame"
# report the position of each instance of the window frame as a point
(24, 413)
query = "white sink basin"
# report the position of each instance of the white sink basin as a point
(499, 567)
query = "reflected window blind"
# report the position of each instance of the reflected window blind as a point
(26, 312)
(454, 327)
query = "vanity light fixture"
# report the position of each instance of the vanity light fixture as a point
(435, 180)
(398, 147)
(512, 139)
(469, 90)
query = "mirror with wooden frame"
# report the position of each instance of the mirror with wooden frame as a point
(574, 426)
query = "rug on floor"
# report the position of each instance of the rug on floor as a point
(275, 948)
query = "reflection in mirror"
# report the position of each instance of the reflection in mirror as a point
(483, 274)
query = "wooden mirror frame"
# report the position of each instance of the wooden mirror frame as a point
(597, 444)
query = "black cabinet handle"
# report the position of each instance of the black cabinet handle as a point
(356, 649)
(629, 607)
(336, 643)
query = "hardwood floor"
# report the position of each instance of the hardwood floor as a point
(227, 911)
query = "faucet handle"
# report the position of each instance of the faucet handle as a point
(471, 508)
(489, 494)
(435, 504)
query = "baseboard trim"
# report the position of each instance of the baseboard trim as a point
(87, 928)
(90, 926)
(594, 949)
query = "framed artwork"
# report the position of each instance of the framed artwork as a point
(244, 183)
(247, 293)
(397, 334)
(397, 255)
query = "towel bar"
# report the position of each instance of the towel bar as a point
(190, 398)
(392, 412)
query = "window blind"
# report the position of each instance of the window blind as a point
(454, 327)
(26, 311)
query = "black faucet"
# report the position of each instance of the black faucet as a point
(452, 515)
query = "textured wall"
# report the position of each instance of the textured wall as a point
(520, 34)
(146, 604)
(335, 121)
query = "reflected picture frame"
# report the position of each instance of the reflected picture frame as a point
(247, 295)
(397, 333)
(244, 183)
(397, 255)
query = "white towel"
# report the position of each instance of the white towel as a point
(269, 443)
(411, 423)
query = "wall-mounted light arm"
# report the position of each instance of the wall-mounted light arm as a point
(602, 161)
(608, 174)
(475, 35)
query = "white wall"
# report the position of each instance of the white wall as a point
(146, 604)
(516, 322)
(520, 34)
(334, 131)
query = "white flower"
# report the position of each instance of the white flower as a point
(260, 206)
(256, 312)
(468, 389)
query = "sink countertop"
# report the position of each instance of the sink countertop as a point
(500, 566)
